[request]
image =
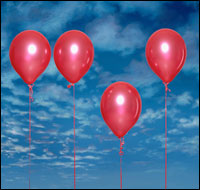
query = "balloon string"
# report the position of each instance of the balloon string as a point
(30, 100)
(166, 89)
(121, 153)
(121, 172)
(74, 140)
(69, 86)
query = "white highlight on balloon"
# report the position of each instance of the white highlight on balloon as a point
(120, 99)
(74, 48)
(165, 47)
(32, 49)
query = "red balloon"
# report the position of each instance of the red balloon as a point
(30, 54)
(166, 53)
(73, 55)
(120, 107)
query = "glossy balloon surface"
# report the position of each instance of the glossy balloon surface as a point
(166, 53)
(73, 55)
(120, 107)
(30, 54)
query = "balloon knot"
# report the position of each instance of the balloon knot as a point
(121, 146)
(31, 91)
(69, 86)
(166, 87)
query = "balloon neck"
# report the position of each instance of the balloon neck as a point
(69, 86)
(166, 87)
(121, 146)
(31, 92)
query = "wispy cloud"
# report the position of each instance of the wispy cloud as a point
(43, 157)
(151, 9)
(150, 116)
(14, 131)
(137, 79)
(184, 99)
(10, 148)
(117, 38)
(42, 115)
(191, 122)
(66, 164)
(79, 133)
(191, 38)
(175, 131)
(188, 145)
(14, 100)
(87, 157)
(196, 103)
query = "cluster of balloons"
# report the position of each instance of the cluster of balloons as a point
(30, 54)
(121, 104)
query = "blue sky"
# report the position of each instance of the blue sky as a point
(119, 32)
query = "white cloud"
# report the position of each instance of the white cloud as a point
(15, 100)
(79, 133)
(20, 164)
(191, 122)
(43, 157)
(14, 130)
(19, 148)
(175, 132)
(172, 112)
(188, 145)
(159, 138)
(103, 138)
(191, 38)
(42, 115)
(134, 134)
(145, 85)
(146, 8)
(78, 157)
(8, 79)
(81, 85)
(89, 149)
(184, 99)
(149, 91)
(54, 92)
(96, 101)
(150, 116)
(65, 150)
(43, 101)
(50, 71)
(84, 103)
(68, 164)
(19, 112)
(102, 8)
(54, 17)
(107, 34)
(196, 103)
(92, 149)
(10, 148)
(42, 142)
(38, 126)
